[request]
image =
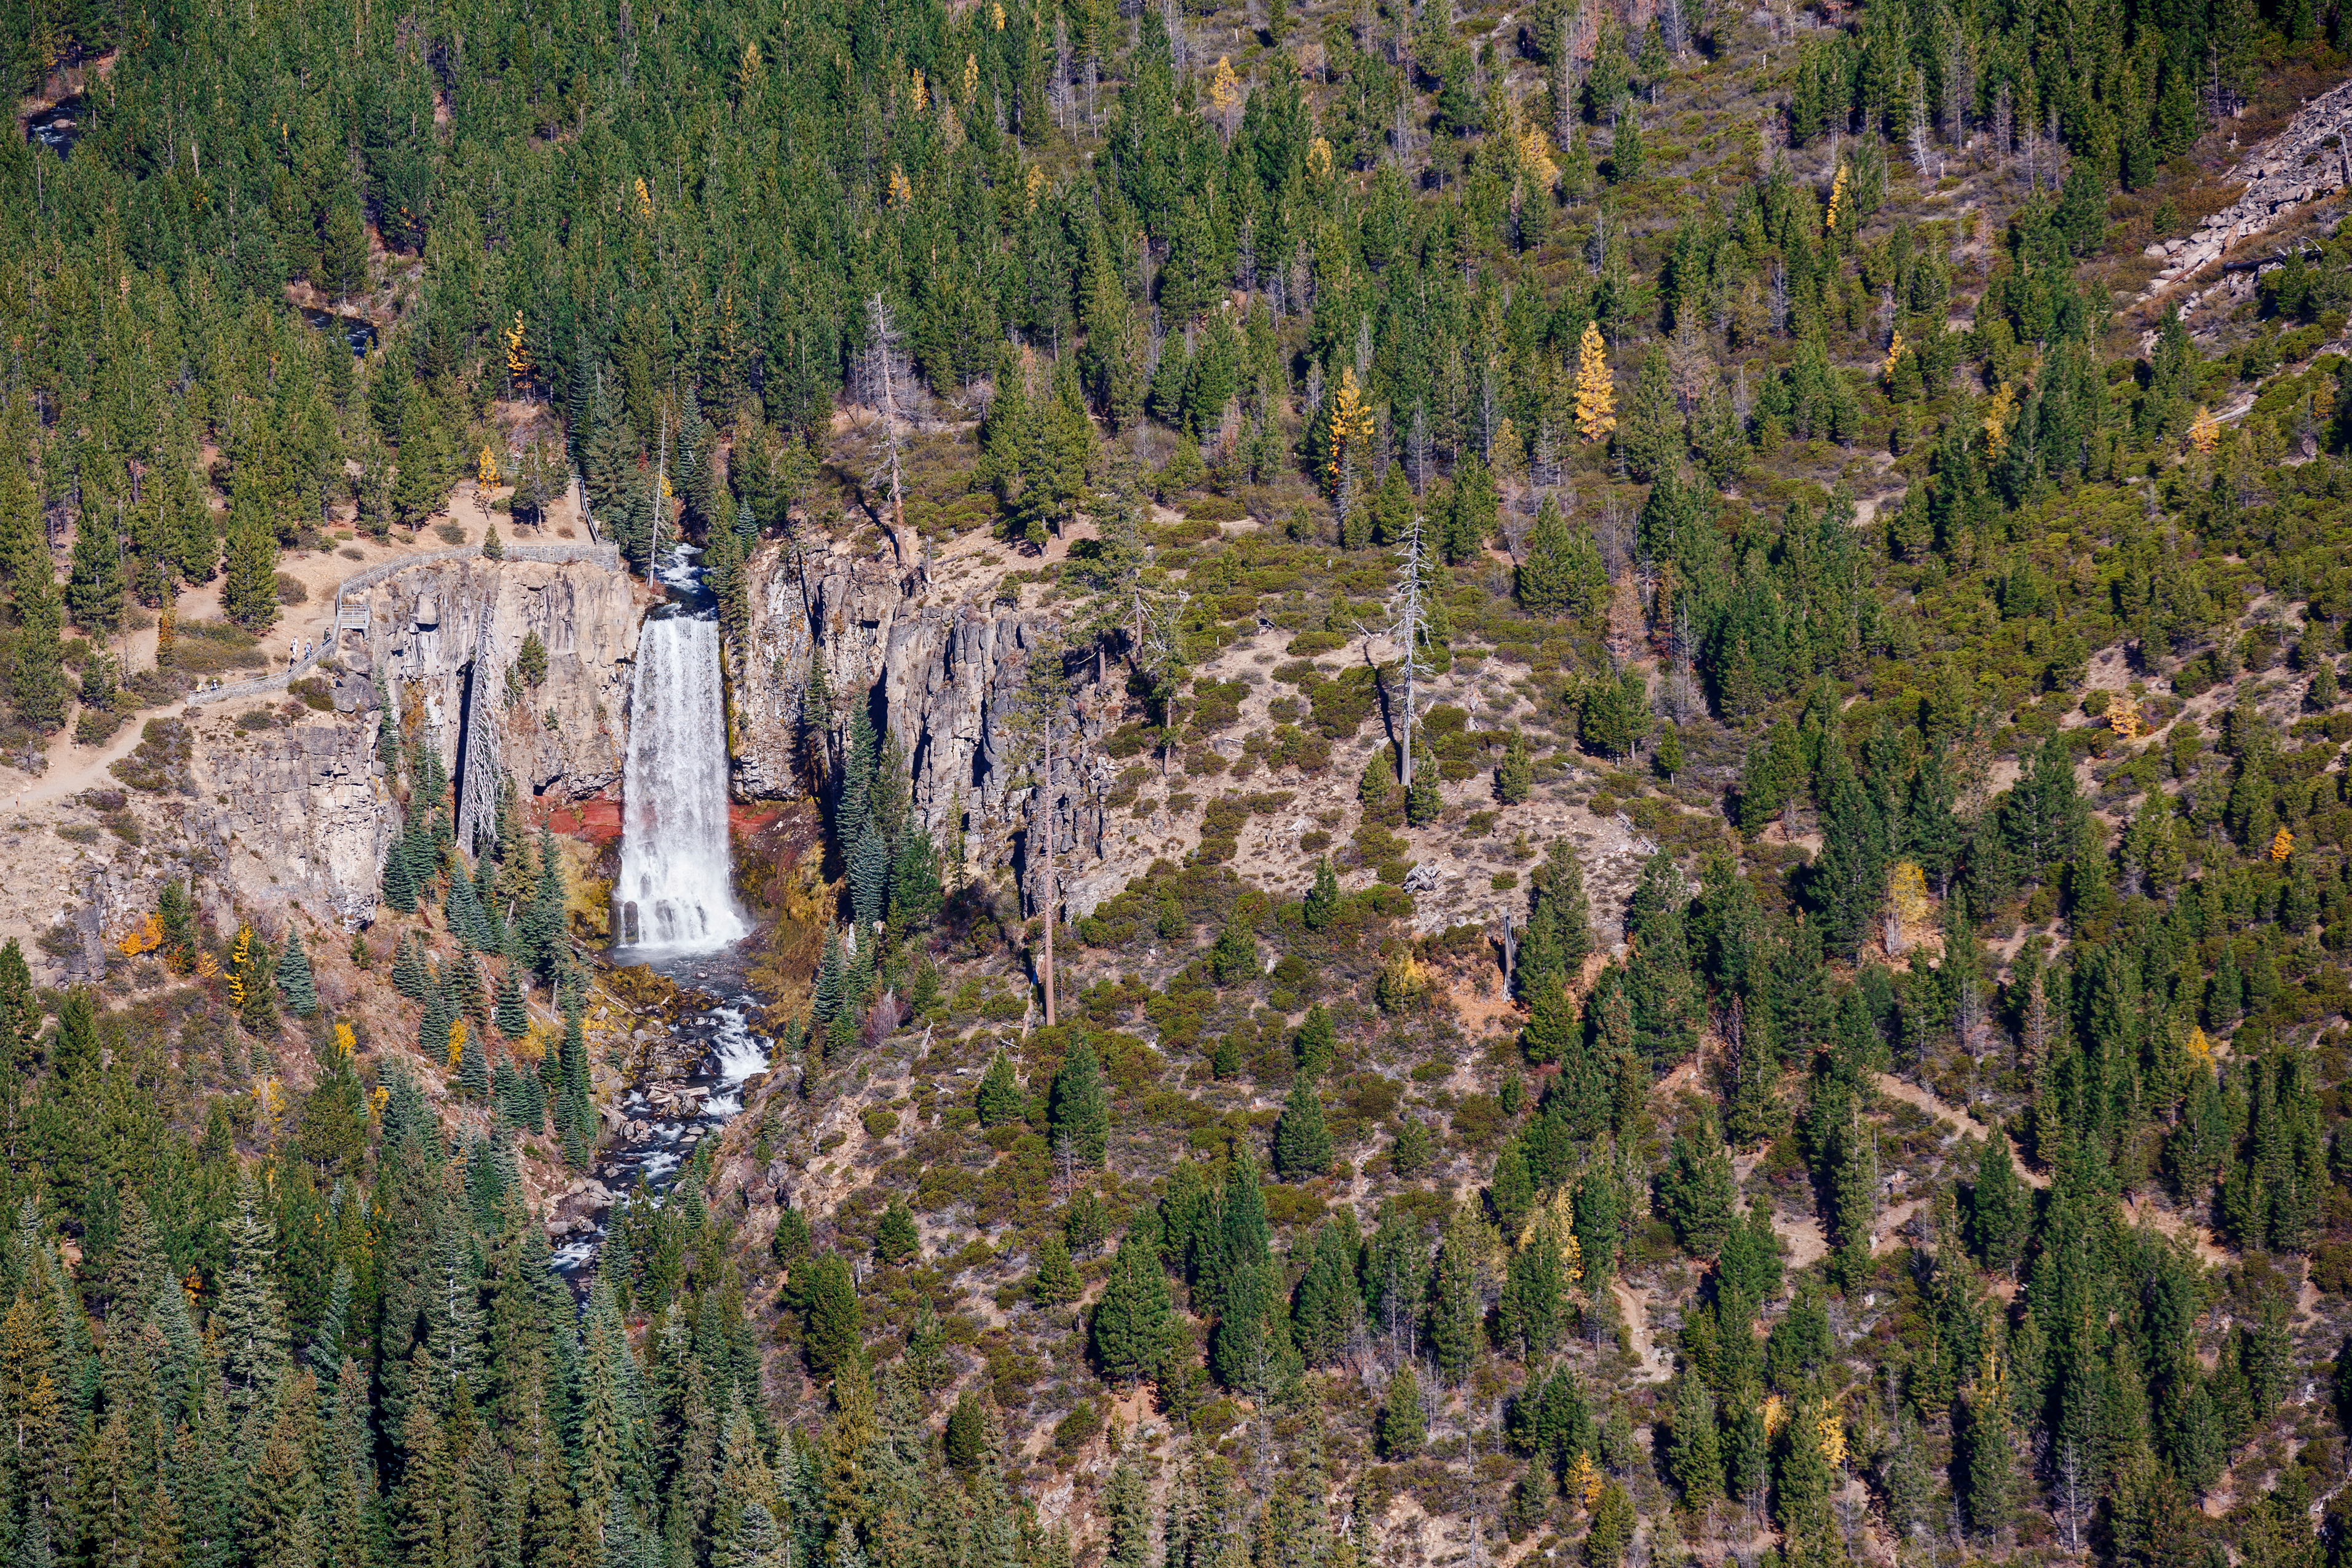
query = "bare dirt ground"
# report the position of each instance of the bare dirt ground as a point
(72, 768)
(1658, 1366)
(1944, 1110)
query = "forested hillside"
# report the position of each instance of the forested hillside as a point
(1745, 955)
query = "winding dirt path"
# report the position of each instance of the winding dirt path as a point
(73, 769)
(1943, 1110)
(1656, 1365)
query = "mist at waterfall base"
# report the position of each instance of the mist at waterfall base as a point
(674, 898)
(675, 894)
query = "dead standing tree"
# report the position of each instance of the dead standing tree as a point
(887, 384)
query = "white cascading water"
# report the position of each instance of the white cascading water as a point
(675, 888)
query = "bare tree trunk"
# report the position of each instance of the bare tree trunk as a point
(1046, 971)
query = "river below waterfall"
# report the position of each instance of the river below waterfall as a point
(675, 912)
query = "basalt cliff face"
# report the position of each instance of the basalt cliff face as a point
(306, 813)
(568, 735)
(944, 677)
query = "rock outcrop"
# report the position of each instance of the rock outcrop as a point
(2296, 166)
(306, 808)
(306, 813)
(946, 677)
(569, 735)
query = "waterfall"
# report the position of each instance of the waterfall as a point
(673, 894)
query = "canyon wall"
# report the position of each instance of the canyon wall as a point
(944, 677)
(306, 813)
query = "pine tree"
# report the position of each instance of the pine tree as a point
(1126, 1511)
(94, 590)
(1652, 434)
(1056, 1281)
(1422, 802)
(1535, 1288)
(1514, 781)
(896, 1239)
(1000, 1100)
(1078, 1114)
(1134, 1322)
(1317, 1038)
(1302, 1142)
(869, 881)
(248, 1327)
(513, 1017)
(1403, 1420)
(473, 1062)
(294, 978)
(1596, 388)
(20, 1009)
(1327, 1309)
(832, 1329)
(251, 985)
(542, 921)
(1694, 1453)
(1322, 903)
(827, 996)
(915, 893)
(1562, 569)
(2000, 1209)
(249, 590)
(1611, 1531)
(408, 971)
(965, 1440)
(433, 1029)
(575, 1109)
(1455, 1306)
(1698, 1193)
(38, 686)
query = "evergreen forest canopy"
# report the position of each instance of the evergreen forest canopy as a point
(1590, 314)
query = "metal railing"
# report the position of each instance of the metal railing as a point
(595, 554)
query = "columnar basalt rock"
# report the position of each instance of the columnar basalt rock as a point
(307, 814)
(567, 737)
(946, 676)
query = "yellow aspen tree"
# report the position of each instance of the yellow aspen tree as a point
(1224, 87)
(2282, 845)
(238, 957)
(1840, 203)
(518, 365)
(922, 92)
(1535, 156)
(1318, 158)
(645, 200)
(1906, 893)
(1584, 1480)
(902, 190)
(1996, 418)
(2204, 431)
(1352, 426)
(1596, 388)
(1832, 1434)
(970, 77)
(486, 468)
(1894, 358)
